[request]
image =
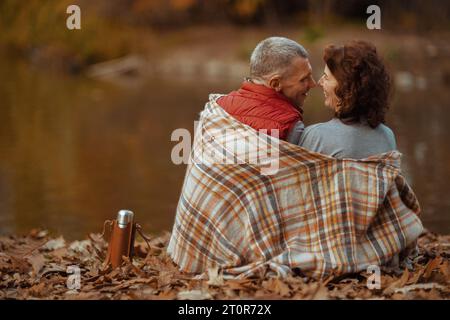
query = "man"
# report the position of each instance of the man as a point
(272, 98)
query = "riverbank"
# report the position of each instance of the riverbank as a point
(39, 266)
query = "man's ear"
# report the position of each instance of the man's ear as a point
(275, 83)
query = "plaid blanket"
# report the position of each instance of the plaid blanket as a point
(309, 211)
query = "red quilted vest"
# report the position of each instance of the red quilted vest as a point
(261, 107)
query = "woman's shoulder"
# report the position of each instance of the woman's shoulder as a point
(322, 127)
(388, 133)
(315, 132)
(384, 128)
(325, 136)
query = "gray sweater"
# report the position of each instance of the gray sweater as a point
(339, 140)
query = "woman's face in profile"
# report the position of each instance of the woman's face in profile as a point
(329, 83)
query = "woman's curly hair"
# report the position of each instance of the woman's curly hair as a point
(363, 82)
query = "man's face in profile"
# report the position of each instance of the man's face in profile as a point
(297, 81)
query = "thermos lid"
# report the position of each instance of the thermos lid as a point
(124, 217)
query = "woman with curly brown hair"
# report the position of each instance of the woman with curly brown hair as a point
(356, 86)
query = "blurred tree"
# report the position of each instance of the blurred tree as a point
(111, 28)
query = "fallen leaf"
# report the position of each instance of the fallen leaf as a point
(397, 283)
(80, 246)
(38, 290)
(165, 278)
(445, 269)
(426, 286)
(239, 284)
(416, 276)
(75, 295)
(166, 295)
(193, 295)
(58, 254)
(321, 293)
(38, 234)
(276, 286)
(54, 244)
(157, 277)
(281, 288)
(404, 279)
(37, 261)
(431, 266)
(52, 268)
(215, 277)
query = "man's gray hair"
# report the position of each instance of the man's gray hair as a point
(274, 55)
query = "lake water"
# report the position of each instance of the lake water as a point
(74, 151)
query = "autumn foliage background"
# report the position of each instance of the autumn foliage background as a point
(28, 26)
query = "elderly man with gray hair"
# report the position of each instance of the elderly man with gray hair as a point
(272, 98)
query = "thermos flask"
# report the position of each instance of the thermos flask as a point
(121, 240)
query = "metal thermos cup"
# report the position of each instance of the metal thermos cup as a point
(124, 217)
(122, 238)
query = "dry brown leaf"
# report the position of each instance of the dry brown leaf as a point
(444, 268)
(399, 296)
(80, 246)
(52, 268)
(54, 244)
(165, 278)
(129, 283)
(321, 292)
(38, 234)
(404, 279)
(19, 265)
(215, 277)
(75, 295)
(416, 276)
(342, 291)
(157, 277)
(238, 284)
(37, 261)
(229, 293)
(425, 286)
(433, 264)
(281, 288)
(433, 294)
(365, 293)
(38, 290)
(58, 254)
(397, 283)
(386, 281)
(194, 295)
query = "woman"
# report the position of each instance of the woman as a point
(356, 86)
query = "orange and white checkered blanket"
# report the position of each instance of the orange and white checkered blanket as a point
(314, 212)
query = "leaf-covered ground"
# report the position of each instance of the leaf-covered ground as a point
(36, 267)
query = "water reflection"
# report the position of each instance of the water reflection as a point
(74, 151)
